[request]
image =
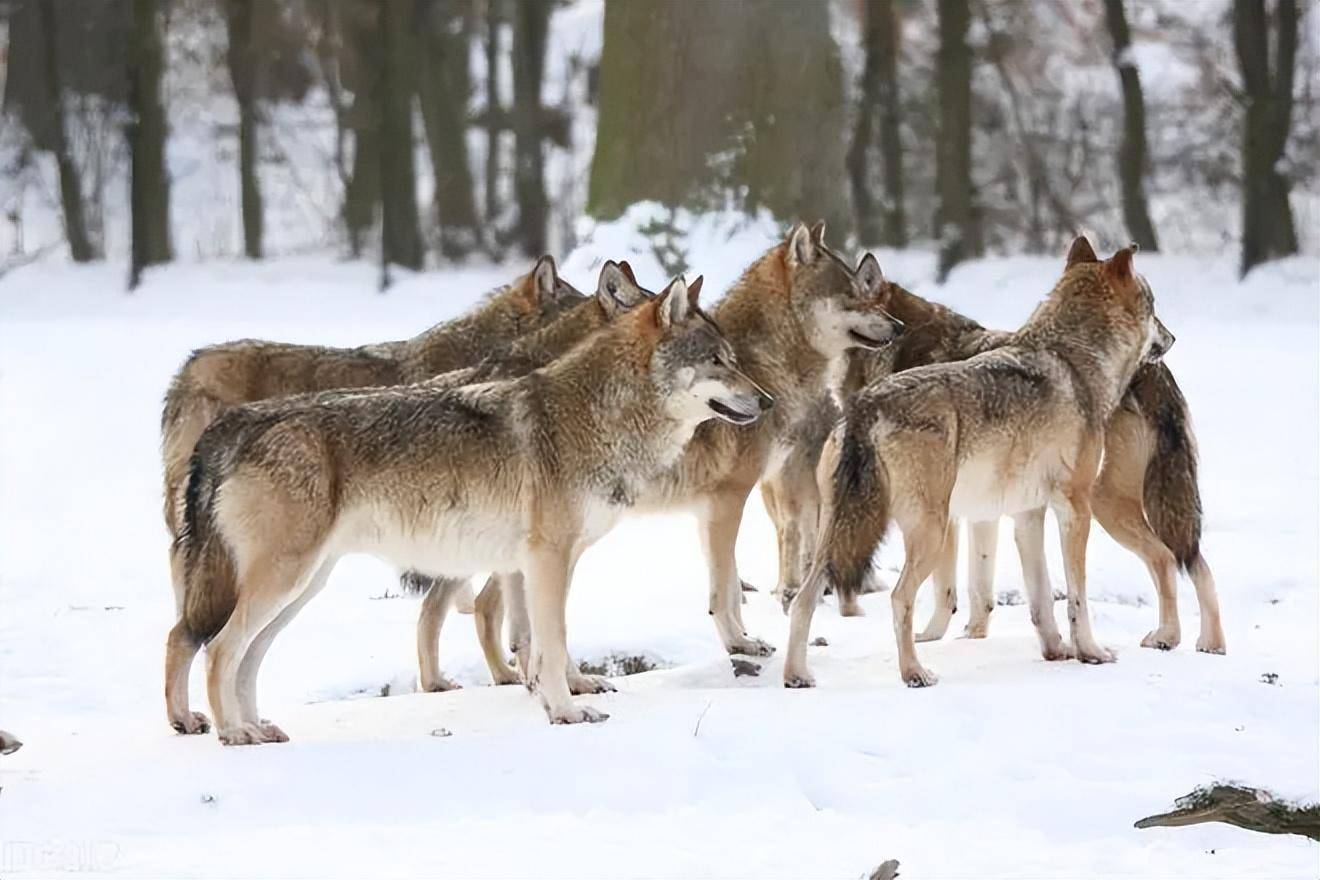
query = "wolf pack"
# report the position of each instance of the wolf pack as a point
(505, 442)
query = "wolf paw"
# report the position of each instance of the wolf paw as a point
(1060, 650)
(439, 685)
(919, 677)
(249, 735)
(1161, 639)
(930, 634)
(801, 679)
(577, 715)
(192, 722)
(1096, 655)
(977, 630)
(851, 608)
(751, 646)
(590, 684)
(1211, 645)
(271, 732)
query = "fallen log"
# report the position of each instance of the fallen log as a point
(1251, 808)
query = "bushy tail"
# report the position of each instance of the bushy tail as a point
(210, 579)
(855, 515)
(1170, 494)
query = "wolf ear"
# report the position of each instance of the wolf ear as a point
(675, 304)
(610, 286)
(1080, 252)
(869, 275)
(818, 232)
(801, 249)
(1119, 265)
(627, 270)
(545, 278)
(694, 291)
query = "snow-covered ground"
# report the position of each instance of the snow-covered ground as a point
(1010, 767)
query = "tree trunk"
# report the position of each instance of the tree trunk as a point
(859, 166)
(494, 20)
(244, 66)
(884, 223)
(444, 85)
(703, 103)
(149, 187)
(531, 24)
(1132, 155)
(958, 235)
(396, 82)
(1267, 222)
(75, 227)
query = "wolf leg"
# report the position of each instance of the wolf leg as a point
(264, 589)
(180, 649)
(549, 571)
(946, 587)
(1211, 639)
(1029, 535)
(796, 674)
(250, 666)
(514, 587)
(1074, 514)
(435, 606)
(924, 542)
(778, 505)
(1125, 521)
(488, 616)
(719, 534)
(983, 547)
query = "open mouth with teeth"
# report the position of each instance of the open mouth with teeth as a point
(867, 341)
(729, 414)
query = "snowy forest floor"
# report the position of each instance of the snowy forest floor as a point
(1009, 767)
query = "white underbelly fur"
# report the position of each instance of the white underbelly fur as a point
(451, 545)
(989, 487)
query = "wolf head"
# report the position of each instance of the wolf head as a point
(695, 368)
(838, 308)
(544, 293)
(1129, 293)
(617, 289)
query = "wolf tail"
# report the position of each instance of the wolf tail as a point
(210, 577)
(1170, 494)
(856, 513)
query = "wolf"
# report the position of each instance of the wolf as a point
(1147, 495)
(516, 474)
(617, 291)
(797, 308)
(219, 377)
(1008, 431)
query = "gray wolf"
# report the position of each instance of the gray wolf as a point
(796, 309)
(517, 474)
(218, 377)
(1005, 432)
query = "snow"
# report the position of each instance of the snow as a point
(1009, 767)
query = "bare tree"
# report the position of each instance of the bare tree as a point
(443, 88)
(703, 102)
(1132, 155)
(244, 72)
(531, 25)
(1267, 222)
(396, 81)
(885, 223)
(958, 234)
(56, 135)
(149, 187)
(494, 23)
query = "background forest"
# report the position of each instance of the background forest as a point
(432, 131)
